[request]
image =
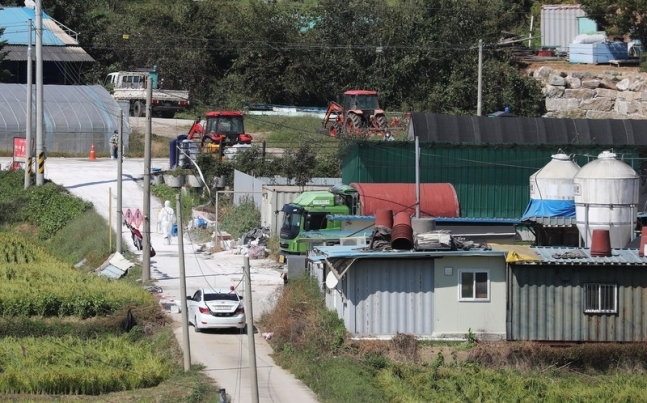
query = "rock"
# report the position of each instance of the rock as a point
(562, 104)
(556, 80)
(553, 92)
(581, 93)
(543, 72)
(608, 83)
(638, 85)
(573, 82)
(629, 95)
(627, 107)
(602, 92)
(603, 115)
(599, 104)
(572, 114)
(582, 75)
(590, 83)
(623, 85)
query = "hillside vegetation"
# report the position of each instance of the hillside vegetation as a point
(68, 334)
(421, 56)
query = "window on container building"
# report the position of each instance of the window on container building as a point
(473, 285)
(600, 298)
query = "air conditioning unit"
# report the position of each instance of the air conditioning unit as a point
(353, 241)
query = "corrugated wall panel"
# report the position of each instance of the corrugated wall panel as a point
(559, 25)
(491, 182)
(390, 297)
(546, 304)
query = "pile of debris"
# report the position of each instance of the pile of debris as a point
(426, 241)
(254, 243)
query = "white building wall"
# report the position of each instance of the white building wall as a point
(454, 318)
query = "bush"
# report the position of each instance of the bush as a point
(237, 220)
(51, 208)
(301, 322)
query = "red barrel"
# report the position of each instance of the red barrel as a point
(402, 232)
(436, 199)
(601, 243)
(384, 217)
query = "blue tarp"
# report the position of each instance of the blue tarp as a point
(549, 208)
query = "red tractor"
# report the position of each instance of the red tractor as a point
(359, 112)
(222, 129)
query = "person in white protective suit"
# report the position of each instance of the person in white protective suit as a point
(167, 218)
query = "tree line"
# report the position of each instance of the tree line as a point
(420, 55)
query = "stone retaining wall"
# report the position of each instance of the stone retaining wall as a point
(583, 95)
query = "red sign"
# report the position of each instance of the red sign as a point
(138, 218)
(19, 147)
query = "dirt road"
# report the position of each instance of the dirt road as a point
(162, 127)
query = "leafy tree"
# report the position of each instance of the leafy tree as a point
(300, 164)
(620, 17)
(4, 73)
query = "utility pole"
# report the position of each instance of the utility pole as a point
(532, 20)
(40, 153)
(480, 79)
(249, 315)
(183, 309)
(146, 255)
(417, 145)
(28, 151)
(119, 180)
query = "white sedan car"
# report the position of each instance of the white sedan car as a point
(218, 308)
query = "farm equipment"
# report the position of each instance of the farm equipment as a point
(222, 129)
(358, 114)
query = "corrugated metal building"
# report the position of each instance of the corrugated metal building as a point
(251, 186)
(489, 160)
(491, 181)
(434, 294)
(568, 295)
(61, 50)
(75, 117)
(561, 23)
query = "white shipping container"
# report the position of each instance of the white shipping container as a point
(273, 200)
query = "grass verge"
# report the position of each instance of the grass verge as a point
(311, 342)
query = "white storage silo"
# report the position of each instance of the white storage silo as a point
(606, 197)
(551, 189)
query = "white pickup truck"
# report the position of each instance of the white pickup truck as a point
(131, 86)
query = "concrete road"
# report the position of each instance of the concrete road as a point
(224, 354)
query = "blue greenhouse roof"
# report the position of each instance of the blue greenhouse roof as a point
(14, 20)
(555, 255)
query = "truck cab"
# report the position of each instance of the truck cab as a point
(130, 80)
(309, 212)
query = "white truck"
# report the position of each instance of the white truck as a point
(131, 86)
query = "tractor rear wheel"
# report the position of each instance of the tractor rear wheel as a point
(353, 124)
(381, 121)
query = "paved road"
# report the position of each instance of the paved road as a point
(224, 354)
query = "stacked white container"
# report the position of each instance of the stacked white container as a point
(555, 180)
(606, 197)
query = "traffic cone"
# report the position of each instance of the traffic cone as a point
(93, 155)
